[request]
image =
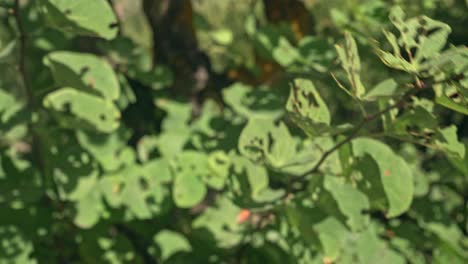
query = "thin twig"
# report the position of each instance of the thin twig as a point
(354, 133)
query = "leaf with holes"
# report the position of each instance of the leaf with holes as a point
(421, 39)
(82, 109)
(254, 102)
(262, 139)
(108, 150)
(351, 63)
(307, 108)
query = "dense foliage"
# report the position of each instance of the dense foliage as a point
(233, 131)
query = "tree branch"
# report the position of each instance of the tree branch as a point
(37, 147)
(22, 55)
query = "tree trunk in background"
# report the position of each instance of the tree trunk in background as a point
(176, 44)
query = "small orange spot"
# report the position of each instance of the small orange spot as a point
(243, 215)
(116, 188)
(387, 173)
(233, 74)
(327, 260)
(268, 67)
(390, 233)
(91, 82)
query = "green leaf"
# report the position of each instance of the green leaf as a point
(253, 102)
(84, 17)
(188, 191)
(100, 114)
(285, 53)
(307, 108)
(421, 38)
(219, 164)
(395, 175)
(447, 139)
(88, 200)
(135, 192)
(351, 202)
(189, 169)
(106, 149)
(15, 247)
(332, 235)
(385, 89)
(222, 36)
(261, 139)
(351, 63)
(220, 221)
(9, 106)
(85, 72)
(447, 102)
(251, 182)
(170, 243)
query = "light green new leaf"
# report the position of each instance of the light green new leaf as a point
(351, 202)
(86, 72)
(351, 63)
(101, 114)
(170, 243)
(395, 175)
(307, 108)
(83, 17)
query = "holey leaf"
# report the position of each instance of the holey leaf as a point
(82, 71)
(395, 175)
(262, 139)
(421, 39)
(351, 63)
(258, 102)
(307, 108)
(91, 110)
(83, 17)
